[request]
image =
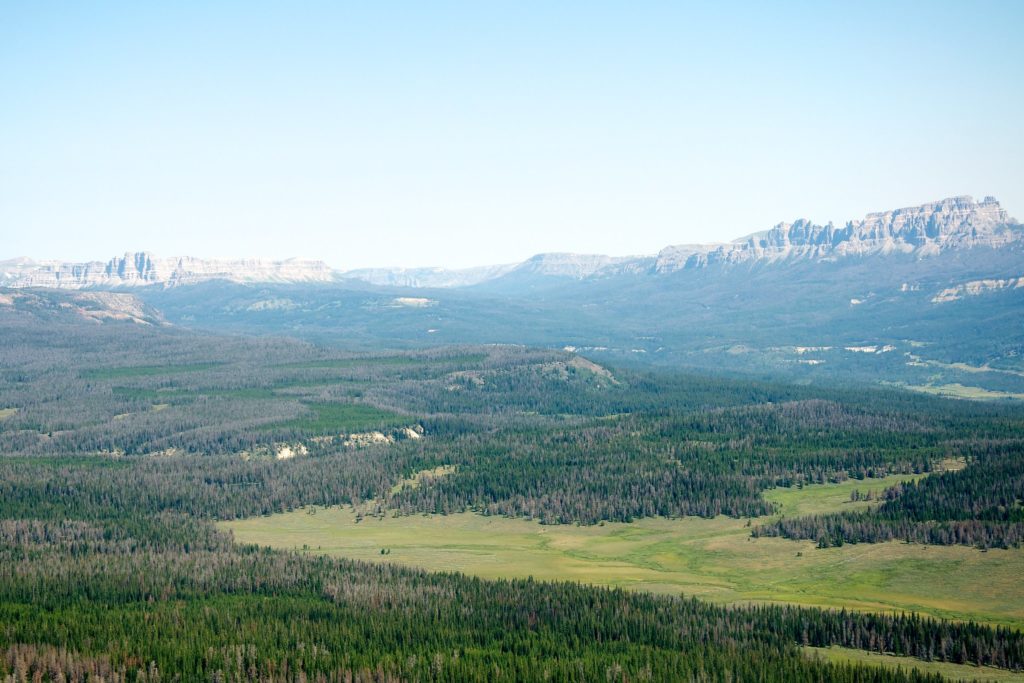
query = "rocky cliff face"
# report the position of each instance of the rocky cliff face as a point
(954, 223)
(142, 268)
(957, 222)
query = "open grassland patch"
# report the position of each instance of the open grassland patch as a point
(956, 672)
(59, 461)
(145, 370)
(346, 363)
(7, 412)
(956, 390)
(715, 559)
(142, 394)
(423, 476)
(964, 367)
(283, 390)
(382, 361)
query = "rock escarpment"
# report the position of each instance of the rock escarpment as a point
(142, 268)
(954, 223)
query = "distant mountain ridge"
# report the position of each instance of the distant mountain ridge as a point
(930, 297)
(925, 230)
(143, 269)
(954, 223)
(554, 264)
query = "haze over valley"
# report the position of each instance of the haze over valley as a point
(925, 297)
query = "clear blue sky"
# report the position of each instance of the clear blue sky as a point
(377, 133)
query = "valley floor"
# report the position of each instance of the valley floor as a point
(715, 559)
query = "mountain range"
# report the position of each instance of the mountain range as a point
(142, 269)
(926, 230)
(930, 297)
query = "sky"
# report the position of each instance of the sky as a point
(383, 133)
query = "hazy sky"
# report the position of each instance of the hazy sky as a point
(427, 133)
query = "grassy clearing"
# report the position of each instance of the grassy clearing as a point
(84, 461)
(712, 558)
(137, 393)
(278, 391)
(957, 672)
(423, 475)
(286, 389)
(956, 390)
(964, 367)
(377, 361)
(344, 363)
(245, 393)
(145, 370)
(341, 418)
(7, 412)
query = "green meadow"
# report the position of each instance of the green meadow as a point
(957, 672)
(145, 370)
(363, 362)
(956, 390)
(715, 559)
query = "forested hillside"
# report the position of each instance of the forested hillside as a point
(541, 434)
(122, 443)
